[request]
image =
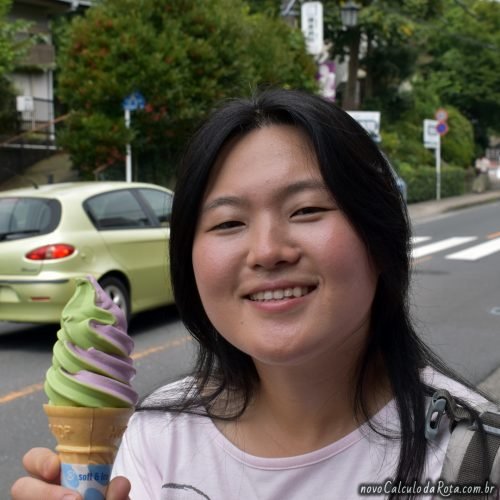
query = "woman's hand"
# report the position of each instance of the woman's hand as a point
(44, 467)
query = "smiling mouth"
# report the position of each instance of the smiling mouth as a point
(281, 293)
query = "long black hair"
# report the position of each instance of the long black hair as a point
(362, 182)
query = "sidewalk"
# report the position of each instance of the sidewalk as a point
(422, 210)
(425, 209)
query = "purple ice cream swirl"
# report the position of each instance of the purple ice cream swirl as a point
(91, 365)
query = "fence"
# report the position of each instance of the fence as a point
(35, 139)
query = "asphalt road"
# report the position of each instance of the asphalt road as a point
(456, 301)
(456, 304)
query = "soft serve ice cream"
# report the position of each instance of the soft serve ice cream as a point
(91, 365)
(88, 385)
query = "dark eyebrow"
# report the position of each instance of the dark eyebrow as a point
(306, 185)
(233, 201)
(288, 190)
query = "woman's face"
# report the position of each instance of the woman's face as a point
(281, 272)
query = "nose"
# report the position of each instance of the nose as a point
(271, 245)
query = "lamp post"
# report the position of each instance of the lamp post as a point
(349, 16)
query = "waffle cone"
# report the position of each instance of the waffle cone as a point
(87, 435)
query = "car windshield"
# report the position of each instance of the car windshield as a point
(25, 217)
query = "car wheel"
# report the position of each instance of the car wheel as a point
(118, 293)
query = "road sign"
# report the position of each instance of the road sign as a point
(441, 115)
(432, 140)
(442, 128)
(370, 121)
(133, 101)
(312, 26)
(431, 135)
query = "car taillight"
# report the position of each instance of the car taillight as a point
(50, 252)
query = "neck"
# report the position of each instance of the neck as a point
(297, 410)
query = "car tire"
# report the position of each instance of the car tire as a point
(118, 292)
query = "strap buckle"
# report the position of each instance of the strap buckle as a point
(443, 403)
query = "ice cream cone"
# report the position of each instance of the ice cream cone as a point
(87, 442)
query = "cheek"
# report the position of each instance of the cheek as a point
(214, 269)
(205, 268)
(345, 255)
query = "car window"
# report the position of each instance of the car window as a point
(25, 217)
(160, 202)
(116, 210)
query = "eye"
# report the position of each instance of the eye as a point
(309, 211)
(230, 224)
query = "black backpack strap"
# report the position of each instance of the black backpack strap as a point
(465, 455)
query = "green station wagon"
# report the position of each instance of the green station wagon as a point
(50, 236)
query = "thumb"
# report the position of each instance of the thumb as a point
(118, 489)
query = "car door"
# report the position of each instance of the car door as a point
(137, 243)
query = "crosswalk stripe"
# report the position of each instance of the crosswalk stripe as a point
(415, 240)
(477, 252)
(441, 245)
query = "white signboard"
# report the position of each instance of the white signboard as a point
(431, 135)
(432, 140)
(25, 103)
(312, 26)
(370, 121)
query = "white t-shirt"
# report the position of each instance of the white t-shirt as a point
(185, 457)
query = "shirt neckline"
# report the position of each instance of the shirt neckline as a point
(305, 459)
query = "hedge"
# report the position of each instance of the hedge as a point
(421, 182)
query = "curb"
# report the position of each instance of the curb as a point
(491, 385)
(425, 209)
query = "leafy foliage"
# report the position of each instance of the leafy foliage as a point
(403, 133)
(464, 62)
(183, 56)
(12, 48)
(12, 45)
(419, 55)
(421, 182)
(391, 33)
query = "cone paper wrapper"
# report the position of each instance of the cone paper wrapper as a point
(87, 442)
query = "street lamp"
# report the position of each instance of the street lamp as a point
(349, 14)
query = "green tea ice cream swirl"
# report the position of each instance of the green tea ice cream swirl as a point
(91, 364)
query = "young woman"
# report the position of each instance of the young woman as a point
(290, 264)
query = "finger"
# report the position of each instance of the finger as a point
(118, 489)
(42, 463)
(29, 488)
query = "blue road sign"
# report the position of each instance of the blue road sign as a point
(442, 128)
(134, 101)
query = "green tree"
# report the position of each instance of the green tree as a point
(385, 44)
(403, 134)
(183, 56)
(463, 65)
(12, 47)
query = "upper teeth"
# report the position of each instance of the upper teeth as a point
(279, 293)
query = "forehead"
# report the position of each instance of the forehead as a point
(262, 155)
